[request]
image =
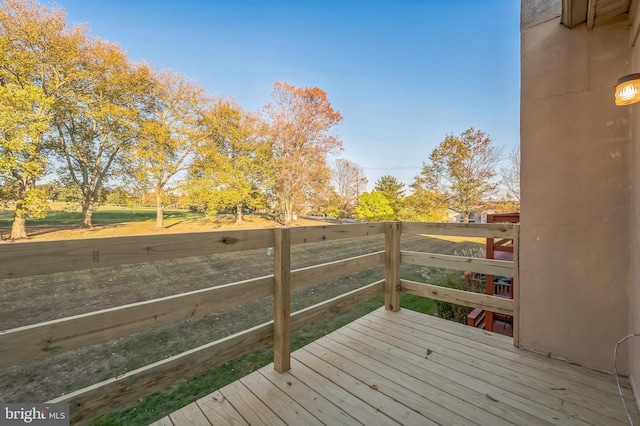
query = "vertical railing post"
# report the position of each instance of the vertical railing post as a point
(516, 286)
(282, 300)
(392, 266)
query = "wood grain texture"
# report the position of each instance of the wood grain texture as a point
(105, 396)
(165, 421)
(458, 263)
(516, 286)
(315, 234)
(413, 369)
(307, 276)
(459, 297)
(254, 411)
(219, 411)
(278, 401)
(282, 300)
(483, 230)
(44, 339)
(392, 232)
(44, 257)
(310, 396)
(191, 415)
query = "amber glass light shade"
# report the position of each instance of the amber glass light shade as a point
(628, 89)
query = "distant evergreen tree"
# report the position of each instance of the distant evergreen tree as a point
(393, 191)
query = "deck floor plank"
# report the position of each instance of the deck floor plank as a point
(191, 415)
(278, 401)
(306, 396)
(494, 343)
(165, 421)
(382, 379)
(366, 392)
(577, 401)
(592, 384)
(342, 399)
(467, 402)
(499, 344)
(376, 371)
(219, 411)
(253, 410)
(496, 393)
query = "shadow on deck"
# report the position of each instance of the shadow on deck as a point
(412, 369)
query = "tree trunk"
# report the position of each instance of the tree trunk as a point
(239, 214)
(159, 210)
(19, 226)
(87, 212)
(288, 213)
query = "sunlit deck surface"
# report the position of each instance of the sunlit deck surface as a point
(412, 369)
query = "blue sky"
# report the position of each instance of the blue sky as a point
(402, 73)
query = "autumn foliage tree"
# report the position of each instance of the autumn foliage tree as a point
(38, 59)
(100, 120)
(462, 169)
(169, 134)
(235, 165)
(301, 122)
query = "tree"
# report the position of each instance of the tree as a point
(349, 181)
(462, 169)
(511, 174)
(423, 206)
(235, 164)
(24, 119)
(301, 122)
(169, 135)
(393, 191)
(100, 120)
(38, 59)
(374, 207)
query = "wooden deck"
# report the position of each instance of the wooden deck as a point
(412, 369)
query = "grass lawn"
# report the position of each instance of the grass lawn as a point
(104, 215)
(40, 298)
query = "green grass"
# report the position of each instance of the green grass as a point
(177, 396)
(106, 217)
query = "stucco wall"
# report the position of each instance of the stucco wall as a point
(634, 224)
(574, 220)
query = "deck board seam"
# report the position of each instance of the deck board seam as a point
(572, 408)
(407, 377)
(505, 370)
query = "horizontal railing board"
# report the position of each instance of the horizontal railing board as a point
(458, 263)
(459, 297)
(92, 401)
(44, 257)
(323, 310)
(481, 230)
(40, 340)
(107, 395)
(310, 275)
(315, 234)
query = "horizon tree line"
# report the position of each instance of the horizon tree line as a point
(74, 105)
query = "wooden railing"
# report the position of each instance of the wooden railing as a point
(36, 341)
(485, 266)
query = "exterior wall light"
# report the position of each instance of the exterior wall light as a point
(628, 89)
